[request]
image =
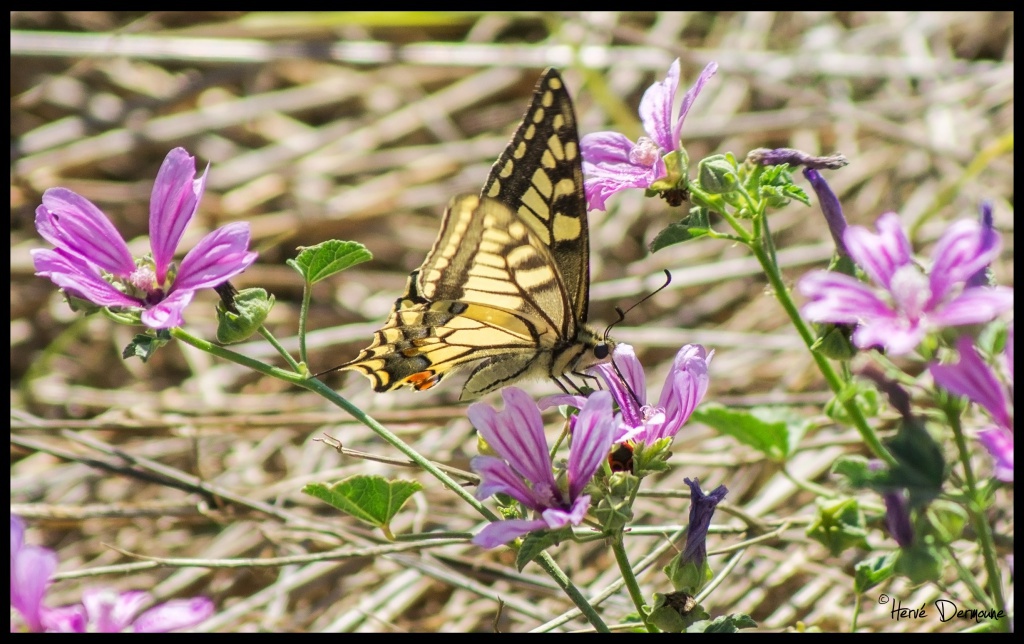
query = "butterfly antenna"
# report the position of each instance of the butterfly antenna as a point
(622, 314)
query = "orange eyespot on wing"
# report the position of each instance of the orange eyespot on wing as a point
(423, 380)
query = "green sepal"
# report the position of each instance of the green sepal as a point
(252, 305)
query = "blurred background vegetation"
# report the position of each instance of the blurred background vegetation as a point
(361, 126)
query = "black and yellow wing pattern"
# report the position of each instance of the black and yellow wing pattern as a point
(506, 283)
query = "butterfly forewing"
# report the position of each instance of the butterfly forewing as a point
(540, 176)
(506, 283)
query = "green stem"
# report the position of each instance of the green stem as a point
(618, 547)
(976, 512)
(269, 337)
(307, 291)
(835, 382)
(316, 386)
(545, 561)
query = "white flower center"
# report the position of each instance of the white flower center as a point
(910, 291)
(645, 153)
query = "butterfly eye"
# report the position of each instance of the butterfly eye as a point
(601, 351)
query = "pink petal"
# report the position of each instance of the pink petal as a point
(174, 615)
(591, 440)
(688, 99)
(999, 443)
(656, 109)
(974, 306)
(970, 376)
(840, 298)
(556, 518)
(959, 254)
(167, 313)
(31, 570)
(76, 226)
(79, 278)
(497, 476)
(517, 435)
(217, 257)
(897, 335)
(498, 532)
(172, 205)
(879, 255)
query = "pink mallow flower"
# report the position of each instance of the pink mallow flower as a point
(101, 611)
(524, 470)
(685, 386)
(91, 260)
(611, 162)
(970, 376)
(905, 304)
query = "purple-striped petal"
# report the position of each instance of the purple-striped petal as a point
(167, 313)
(882, 254)
(498, 476)
(31, 569)
(970, 376)
(217, 257)
(656, 109)
(172, 205)
(174, 615)
(498, 532)
(961, 252)
(840, 298)
(688, 99)
(999, 443)
(591, 440)
(79, 278)
(974, 306)
(76, 226)
(556, 518)
(517, 435)
(629, 391)
(893, 332)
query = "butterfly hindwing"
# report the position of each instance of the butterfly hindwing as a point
(506, 283)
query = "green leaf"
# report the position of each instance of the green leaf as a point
(775, 431)
(871, 572)
(318, 262)
(536, 542)
(371, 499)
(920, 466)
(144, 345)
(252, 305)
(693, 226)
(920, 563)
(723, 624)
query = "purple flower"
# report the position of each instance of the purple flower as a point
(897, 517)
(91, 260)
(685, 386)
(830, 207)
(525, 474)
(971, 377)
(702, 508)
(101, 610)
(106, 611)
(908, 304)
(31, 569)
(611, 162)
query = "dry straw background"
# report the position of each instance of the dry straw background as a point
(362, 126)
